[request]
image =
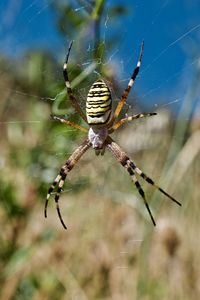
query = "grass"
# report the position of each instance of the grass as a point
(111, 250)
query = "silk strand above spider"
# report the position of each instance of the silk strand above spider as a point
(102, 122)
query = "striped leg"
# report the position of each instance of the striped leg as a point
(70, 123)
(150, 181)
(130, 84)
(124, 160)
(72, 98)
(139, 188)
(60, 179)
(130, 118)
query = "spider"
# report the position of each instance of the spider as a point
(102, 122)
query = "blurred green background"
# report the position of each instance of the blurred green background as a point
(111, 249)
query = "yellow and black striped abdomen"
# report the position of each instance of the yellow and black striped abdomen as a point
(99, 103)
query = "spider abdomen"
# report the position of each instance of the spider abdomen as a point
(98, 103)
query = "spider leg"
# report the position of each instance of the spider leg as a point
(60, 179)
(72, 98)
(128, 119)
(50, 191)
(125, 161)
(70, 123)
(150, 181)
(59, 190)
(127, 90)
(139, 188)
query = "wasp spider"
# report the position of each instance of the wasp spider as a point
(102, 122)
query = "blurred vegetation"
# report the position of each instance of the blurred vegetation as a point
(111, 250)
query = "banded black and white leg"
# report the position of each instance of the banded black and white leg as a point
(60, 179)
(138, 187)
(69, 123)
(128, 119)
(127, 90)
(150, 181)
(132, 169)
(72, 98)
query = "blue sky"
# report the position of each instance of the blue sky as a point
(170, 29)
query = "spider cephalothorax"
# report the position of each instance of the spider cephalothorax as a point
(101, 123)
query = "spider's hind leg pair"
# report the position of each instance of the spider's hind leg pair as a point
(101, 123)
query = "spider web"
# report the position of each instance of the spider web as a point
(163, 80)
(169, 68)
(154, 81)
